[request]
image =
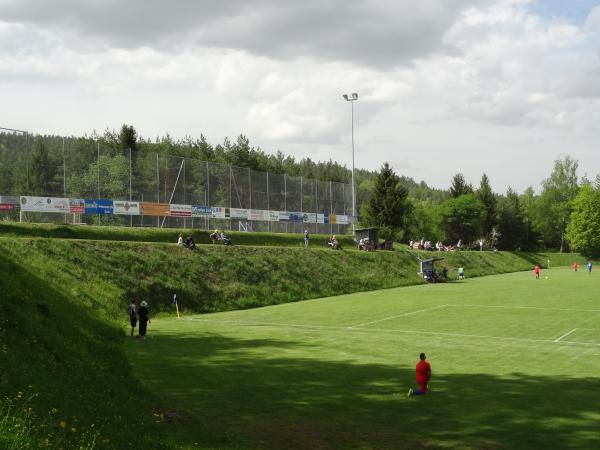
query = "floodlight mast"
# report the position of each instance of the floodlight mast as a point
(352, 99)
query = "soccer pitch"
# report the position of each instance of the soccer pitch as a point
(515, 363)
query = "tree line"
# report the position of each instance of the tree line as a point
(565, 215)
(559, 217)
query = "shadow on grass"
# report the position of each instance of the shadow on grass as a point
(256, 394)
(68, 367)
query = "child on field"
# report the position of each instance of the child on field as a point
(536, 271)
(423, 374)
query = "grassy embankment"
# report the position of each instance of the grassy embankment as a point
(61, 321)
(164, 235)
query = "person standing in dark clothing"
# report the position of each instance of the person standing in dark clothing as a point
(144, 316)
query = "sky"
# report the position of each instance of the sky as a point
(502, 87)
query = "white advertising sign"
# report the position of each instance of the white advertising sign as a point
(257, 214)
(309, 217)
(236, 213)
(126, 208)
(44, 204)
(273, 216)
(181, 210)
(342, 220)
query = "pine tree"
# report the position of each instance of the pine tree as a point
(128, 138)
(460, 186)
(488, 199)
(388, 205)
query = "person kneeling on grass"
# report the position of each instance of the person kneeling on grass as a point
(423, 375)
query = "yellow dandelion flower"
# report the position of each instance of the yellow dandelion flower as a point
(62, 424)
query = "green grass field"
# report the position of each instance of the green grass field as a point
(515, 363)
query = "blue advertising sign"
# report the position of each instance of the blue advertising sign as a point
(98, 206)
(201, 211)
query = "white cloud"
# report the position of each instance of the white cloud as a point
(472, 86)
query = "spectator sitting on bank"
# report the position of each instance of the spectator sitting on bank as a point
(215, 237)
(189, 243)
(224, 239)
(388, 245)
(366, 245)
(410, 244)
(180, 240)
(333, 243)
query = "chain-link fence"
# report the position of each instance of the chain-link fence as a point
(83, 168)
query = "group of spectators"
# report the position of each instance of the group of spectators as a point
(439, 246)
(215, 237)
(188, 242)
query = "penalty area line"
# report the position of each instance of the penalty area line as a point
(558, 339)
(541, 308)
(391, 331)
(396, 316)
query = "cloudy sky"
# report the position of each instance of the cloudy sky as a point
(445, 86)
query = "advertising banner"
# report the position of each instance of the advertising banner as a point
(333, 218)
(44, 204)
(98, 206)
(237, 213)
(273, 216)
(284, 215)
(9, 203)
(343, 220)
(219, 212)
(309, 217)
(321, 218)
(202, 211)
(126, 208)
(296, 217)
(10, 200)
(155, 209)
(259, 214)
(181, 210)
(76, 205)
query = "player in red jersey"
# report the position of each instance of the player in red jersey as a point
(536, 271)
(423, 370)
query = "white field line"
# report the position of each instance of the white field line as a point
(388, 331)
(526, 307)
(558, 339)
(396, 316)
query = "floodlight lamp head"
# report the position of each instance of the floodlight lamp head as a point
(345, 96)
(354, 96)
